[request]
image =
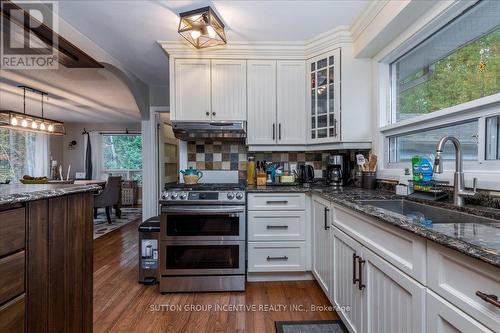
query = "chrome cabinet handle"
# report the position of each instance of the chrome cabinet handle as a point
(490, 298)
(361, 286)
(326, 218)
(277, 258)
(274, 131)
(279, 131)
(277, 227)
(334, 128)
(213, 114)
(269, 202)
(354, 279)
(207, 113)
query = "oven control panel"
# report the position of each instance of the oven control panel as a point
(204, 196)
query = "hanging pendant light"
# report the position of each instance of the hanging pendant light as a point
(202, 28)
(26, 122)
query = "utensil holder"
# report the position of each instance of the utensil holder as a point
(369, 180)
(358, 179)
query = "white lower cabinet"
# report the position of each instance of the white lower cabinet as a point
(370, 294)
(443, 317)
(322, 250)
(394, 301)
(346, 294)
(269, 225)
(457, 278)
(387, 280)
(276, 256)
(278, 235)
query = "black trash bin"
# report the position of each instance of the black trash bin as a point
(149, 234)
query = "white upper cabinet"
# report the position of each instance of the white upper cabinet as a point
(192, 89)
(291, 102)
(261, 91)
(210, 90)
(287, 103)
(276, 102)
(229, 95)
(324, 90)
(339, 98)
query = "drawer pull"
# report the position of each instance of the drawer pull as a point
(354, 279)
(277, 258)
(326, 218)
(276, 202)
(361, 286)
(490, 298)
(277, 227)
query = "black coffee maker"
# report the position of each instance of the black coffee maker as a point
(337, 170)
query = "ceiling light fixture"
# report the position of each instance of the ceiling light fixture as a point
(26, 122)
(202, 28)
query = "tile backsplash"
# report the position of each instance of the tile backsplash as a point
(225, 155)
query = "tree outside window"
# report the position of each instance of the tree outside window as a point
(19, 155)
(122, 155)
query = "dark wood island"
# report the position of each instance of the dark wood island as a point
(46, 239)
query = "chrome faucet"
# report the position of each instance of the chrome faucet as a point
(459, 191)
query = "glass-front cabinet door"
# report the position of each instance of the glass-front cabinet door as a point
(324, 93)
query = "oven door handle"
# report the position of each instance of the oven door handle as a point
(203, 210)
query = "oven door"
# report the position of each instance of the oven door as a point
(202, 258)
(203, 223)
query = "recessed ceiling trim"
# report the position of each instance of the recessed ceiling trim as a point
(263, 50)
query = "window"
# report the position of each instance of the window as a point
(458, 64)
(403, 147)
(122, 156)
(448, 85)
(22, 153)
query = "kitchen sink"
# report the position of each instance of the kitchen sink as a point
(433, 213)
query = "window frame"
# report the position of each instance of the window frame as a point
(486, 170)
(105, 172)
(39, 153)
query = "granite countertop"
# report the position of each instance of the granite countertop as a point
(16, 193)
(480, 241)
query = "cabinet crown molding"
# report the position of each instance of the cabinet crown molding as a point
(263, 50)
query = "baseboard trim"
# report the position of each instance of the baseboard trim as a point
(279, 276)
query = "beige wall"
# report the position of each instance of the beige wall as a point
(56, 148)
(74, 131)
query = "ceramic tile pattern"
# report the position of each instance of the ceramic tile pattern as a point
(224, 155)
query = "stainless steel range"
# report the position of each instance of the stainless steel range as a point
(202, 238)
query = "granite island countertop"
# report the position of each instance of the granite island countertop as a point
(480, 241)
(17, 193)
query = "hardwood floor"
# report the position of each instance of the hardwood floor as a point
(121, 304)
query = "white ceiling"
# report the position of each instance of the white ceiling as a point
(75, 95)
(129, 30)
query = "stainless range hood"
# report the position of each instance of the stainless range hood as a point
(186, 130)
